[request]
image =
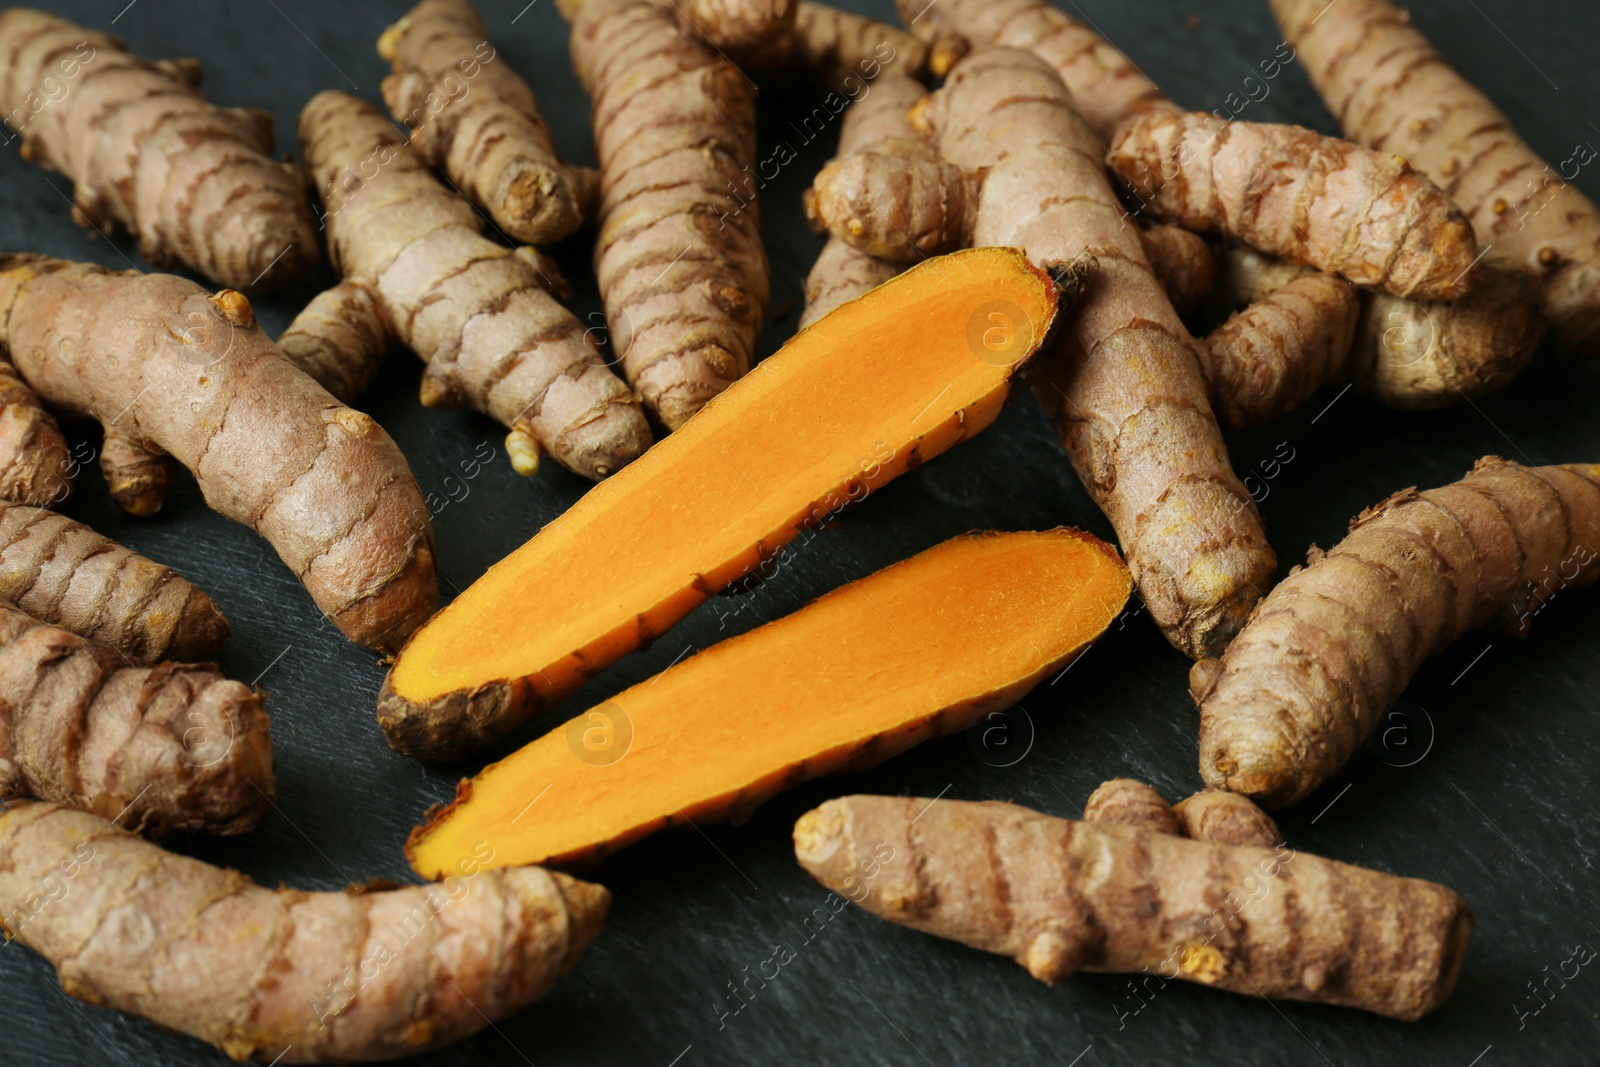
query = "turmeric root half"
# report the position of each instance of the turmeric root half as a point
(35, 466)
(193, 182)
(874, 389)
(63, 573)
(470, 114)
(1061, 896)
(1328, 650)
(479, 314)
(172, 371)
(1392, 92)
(925, 647)
(283, 976)
(167, 748)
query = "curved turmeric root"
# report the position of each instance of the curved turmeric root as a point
(170, 748)
(193, 182)
(1331, 647)
(173, 371)
(1392, 92)
(1060, 896)
(828, 419)
(35, 466)
(946, 637)
(288, 977)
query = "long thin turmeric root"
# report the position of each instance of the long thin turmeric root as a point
(472, 115)
(171, 370)
(63, 573)
(945, 638)
(193, 182)
(1336, 642)
(1061, 897)
(283, 976)
(830, 417)
(167, 748)
(1122, 384)
(35, 466)
(480, 315)
(1391, 91)
(679, 257)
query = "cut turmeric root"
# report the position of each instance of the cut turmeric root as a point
(883, 383)
(945, 638)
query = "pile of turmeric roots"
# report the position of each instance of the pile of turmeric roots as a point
(1046, 218)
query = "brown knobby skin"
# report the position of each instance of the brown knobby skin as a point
(170, 748)
(1328, 650)
(35, 465)
(283, 976)
(679, 256)
(830, 47)
(1391, 91)
(194, 183)
(1225, 818)
(175, 373)
(1329, 204)
(474, 117)
(417, 268)
(1130, 802)
(737, 23)
(1183, 261)
(1121, 381)
(63, 573)
(1060, 896)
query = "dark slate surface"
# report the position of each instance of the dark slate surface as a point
(1498, 797)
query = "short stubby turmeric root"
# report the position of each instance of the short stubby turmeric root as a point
(1213, 815)
(171, 748)
(1122, 383)
(172, 371)
(829, 418)
(470, 114)
(1391, 91)
(1061, 896)
(736, 24)
(63, 573)
(1331, 647)
(283, 976)
(679, 256)
(193, 182)
(1130, 802)
(926, 647)
(35, 466)
(480, 315)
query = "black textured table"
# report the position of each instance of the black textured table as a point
(1491, 789)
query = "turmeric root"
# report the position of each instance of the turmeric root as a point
(1282, 189)
(339, 339)
(1061, 897)
(738, 23)
(63, 573)
(1391, 91)
(1130, 802)
(945, 638)
(1122, 384)
(470, 114)
(479, 314)
(193, 182)
(1183, 261)
(172, 371)
(829, 46)
(828, 420)
(35, 466)
(167, 748)
(1225, 818)
(679, 256)
(279, 975)
(1336, 642)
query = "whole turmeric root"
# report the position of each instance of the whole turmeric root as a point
(35, 466)
(167, 748)
(679, 256)
(417, 267)
(63, 573)
(170, 370)
(193, 182)
(280, 975)
(1336, 642)
(1392, 92)
(470, 114)
(1122, 383)
(1060, 897)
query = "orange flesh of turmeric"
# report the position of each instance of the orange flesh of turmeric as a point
(925, 647)
(862, 395)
